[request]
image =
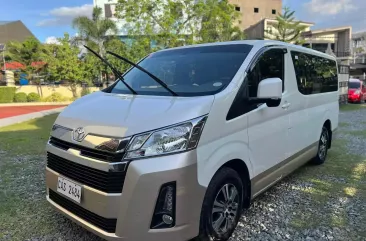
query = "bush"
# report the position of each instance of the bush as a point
(7, 94)
(55, 97)
(33, 97)
(85, 91)
(20, 97)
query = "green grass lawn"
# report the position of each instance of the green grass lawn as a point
(352, 107)
(24, 212)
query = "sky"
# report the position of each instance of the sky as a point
(50, 19)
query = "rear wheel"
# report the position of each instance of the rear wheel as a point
(322, 147)
(222, 206)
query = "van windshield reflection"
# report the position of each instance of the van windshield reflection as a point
(194, 71)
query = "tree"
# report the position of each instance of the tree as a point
(28, 53)
(172, 23)
(64, 64)
(25, 52)
(95, 30)
(167, 22)
(286, 29)
(218, 22)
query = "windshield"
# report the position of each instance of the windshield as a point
(354, 85)
(188, 72)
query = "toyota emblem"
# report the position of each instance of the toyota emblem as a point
(79, 134)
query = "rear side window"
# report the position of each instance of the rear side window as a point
(314, 74)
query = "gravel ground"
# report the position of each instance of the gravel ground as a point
(295, 209)
(326, 202)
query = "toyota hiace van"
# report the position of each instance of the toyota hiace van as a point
(186, 138)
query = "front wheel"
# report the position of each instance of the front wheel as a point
(222, 206)
(322, 147)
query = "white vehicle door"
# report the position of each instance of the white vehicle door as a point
(268, 126)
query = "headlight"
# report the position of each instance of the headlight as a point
(173, 139)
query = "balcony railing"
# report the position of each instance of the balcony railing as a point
(342, 54)
(338, 54)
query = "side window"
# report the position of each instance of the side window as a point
(270, 65)
(314, 74)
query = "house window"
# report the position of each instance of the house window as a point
(273, 11)
(237, 9)
(110, 10)
(256, 10)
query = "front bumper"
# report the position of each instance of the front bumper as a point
(134, 207)
(352, 98)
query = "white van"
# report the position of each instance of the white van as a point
(178, 147)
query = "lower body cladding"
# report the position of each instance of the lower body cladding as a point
(130, 213)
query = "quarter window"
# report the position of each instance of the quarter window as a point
(269, 65)
(314, 74)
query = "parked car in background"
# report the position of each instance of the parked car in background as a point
(356, 91)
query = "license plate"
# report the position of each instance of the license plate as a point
(69, 189)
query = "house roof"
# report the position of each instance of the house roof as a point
(13, 66)
(13, 31)
(335, 29)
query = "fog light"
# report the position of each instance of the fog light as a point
(167, 219)
(164, 214)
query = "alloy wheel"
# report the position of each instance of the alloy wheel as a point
(225, 209)
(323, 145)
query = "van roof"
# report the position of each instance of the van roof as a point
(257, 43)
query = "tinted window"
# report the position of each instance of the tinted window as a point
(314, 74)
(354, 85)
(269, 65)
(188, 72)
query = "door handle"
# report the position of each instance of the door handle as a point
(286, 106)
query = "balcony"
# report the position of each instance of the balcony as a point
(342, 54)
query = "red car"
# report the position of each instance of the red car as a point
(356, 91)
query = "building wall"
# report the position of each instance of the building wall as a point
(265, 7)
(339, 40)
(255, 31)
(108, 11)
(45, 91)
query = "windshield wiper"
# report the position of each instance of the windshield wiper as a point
(115, 71)
(145, 71)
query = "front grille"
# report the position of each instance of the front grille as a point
(89, 152)
(109, 182)
(106, 224)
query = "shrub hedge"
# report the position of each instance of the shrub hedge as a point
(7, 94)
(55, 97)
(85, 91)
(20, 97)
(33, 97)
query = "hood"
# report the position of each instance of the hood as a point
(125, 115)
(351, 91)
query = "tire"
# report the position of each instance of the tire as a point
(216, 211)
(323, 147)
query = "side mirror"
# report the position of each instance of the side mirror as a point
(269, 92)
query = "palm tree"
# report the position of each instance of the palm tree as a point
(95, 29)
